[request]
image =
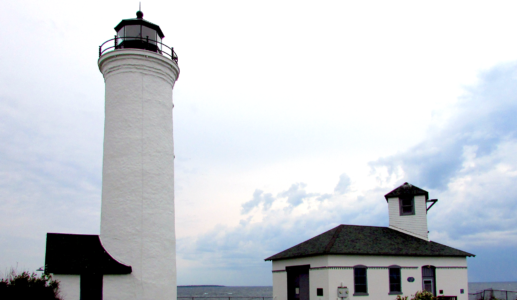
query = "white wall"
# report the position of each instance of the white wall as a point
(280, 285)
(340, 272)
(137, 216)
(319, 278)
(416, 224)
(449, 280)
(69, 286)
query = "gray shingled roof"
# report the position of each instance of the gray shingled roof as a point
(367, 240)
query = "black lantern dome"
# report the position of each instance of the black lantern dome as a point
(139, 34)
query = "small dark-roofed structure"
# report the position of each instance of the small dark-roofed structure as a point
(367, 240)
(77, 254)
(407, 189)
(139, 20)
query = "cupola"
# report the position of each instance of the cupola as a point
(408, 208)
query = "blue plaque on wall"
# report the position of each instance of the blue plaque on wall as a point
(410, 279)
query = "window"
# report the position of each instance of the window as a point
(360, 281)
(395, 284)
(319, 292)
(407, 205)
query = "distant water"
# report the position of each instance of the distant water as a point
(479, 286)
(221, 292)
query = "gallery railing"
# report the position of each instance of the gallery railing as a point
(138, 43)
(490, 294)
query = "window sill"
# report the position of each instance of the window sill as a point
(395, 293)
(360, 294)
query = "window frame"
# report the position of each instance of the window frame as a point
(401, 206)
(391, 283)
(356, 284)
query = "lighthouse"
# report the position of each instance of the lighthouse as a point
(137, 214)
(135, 255)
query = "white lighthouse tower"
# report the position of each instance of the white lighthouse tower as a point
(137, 217)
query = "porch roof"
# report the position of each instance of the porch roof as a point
(80, 254)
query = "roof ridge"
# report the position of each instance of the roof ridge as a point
(333, 239)
(350, 225)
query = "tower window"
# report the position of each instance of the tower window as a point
(407, 205)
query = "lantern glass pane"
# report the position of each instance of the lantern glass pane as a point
(148, 32)
(159, 39)
(133, 31)
(120, 35)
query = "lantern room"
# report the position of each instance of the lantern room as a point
(138, 34)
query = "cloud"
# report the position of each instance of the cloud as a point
(343, 185)
(293, 197)
(292, 216)
(50, 173)
(296, 194)
(324, 197)
(254, 202)
(468, 163)
(258, 198)
(245, 247)
(481, 121)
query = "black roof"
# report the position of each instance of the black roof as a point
(139, 21)
(407, 189)
(79, 254)
(367, 240)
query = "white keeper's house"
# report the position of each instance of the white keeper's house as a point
(370, 262)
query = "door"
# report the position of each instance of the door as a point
(298, 282)
(429, 279)
(91, 287)
(429, 285)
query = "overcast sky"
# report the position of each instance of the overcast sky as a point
(290, 117)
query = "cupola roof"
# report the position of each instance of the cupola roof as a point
(407, 189)
(139, 20)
